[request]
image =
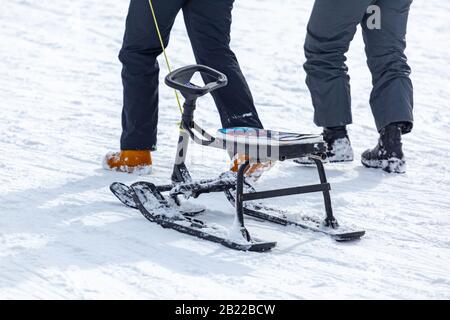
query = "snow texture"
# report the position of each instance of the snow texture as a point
(63, 235)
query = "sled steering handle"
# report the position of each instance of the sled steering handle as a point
(180, 80)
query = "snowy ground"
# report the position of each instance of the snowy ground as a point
(63, 235)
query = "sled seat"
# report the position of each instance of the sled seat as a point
(270, 144)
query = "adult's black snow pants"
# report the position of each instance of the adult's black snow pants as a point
(208, 24)
(331, 28)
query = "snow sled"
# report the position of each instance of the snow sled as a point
(256, 144)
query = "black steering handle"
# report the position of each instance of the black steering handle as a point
(180, 80)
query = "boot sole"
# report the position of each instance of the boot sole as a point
(389, 166)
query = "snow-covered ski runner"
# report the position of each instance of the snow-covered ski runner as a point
(259, 211)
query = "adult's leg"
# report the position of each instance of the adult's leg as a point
(392, 95)
(209, 24)
(141, 47)
(331, 28)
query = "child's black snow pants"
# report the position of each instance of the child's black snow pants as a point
(208, 24)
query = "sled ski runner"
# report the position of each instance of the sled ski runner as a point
(265, 213)
(258, 211)
(125, 194)
(152, 204)
(257, 145)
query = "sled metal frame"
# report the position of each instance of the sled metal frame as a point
(181, 175)
(189, 130)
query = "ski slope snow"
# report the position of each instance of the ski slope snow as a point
(64, 236)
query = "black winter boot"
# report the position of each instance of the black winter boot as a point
(339, 148)
(388, 154)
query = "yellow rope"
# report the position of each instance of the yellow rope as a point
(164, 51)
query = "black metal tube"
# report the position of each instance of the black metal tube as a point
(286, 192)
(240, 193)
(180, 172)
(330, 219)
(168, 187)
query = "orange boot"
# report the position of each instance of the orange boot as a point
(129, 161)
(254, 171)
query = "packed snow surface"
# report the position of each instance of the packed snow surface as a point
(64, 236)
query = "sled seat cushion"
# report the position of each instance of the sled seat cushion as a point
(269, 144)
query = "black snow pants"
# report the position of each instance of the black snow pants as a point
(208, 23)
(331, 28)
